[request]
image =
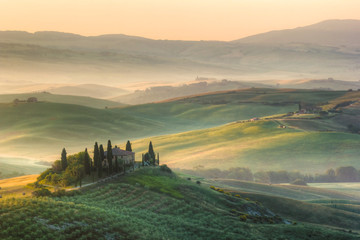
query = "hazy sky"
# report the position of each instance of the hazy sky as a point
(171, 19)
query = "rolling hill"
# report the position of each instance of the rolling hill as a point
(160, 93)
(165, 206)
(40, 130)
(325, 84)
(260, 145)
(66, 99)
(48, 127)
(51, 57)
(88, 90)
(339, 33)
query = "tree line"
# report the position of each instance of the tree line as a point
(340, 174)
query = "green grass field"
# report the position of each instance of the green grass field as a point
(269, 96)
(41, 130)
(259, 145)
(303, 193)
(151, 204)
(346, 188)
(301, 203)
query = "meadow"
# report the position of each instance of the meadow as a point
(259, 145)
(351, 188)
(40, 130)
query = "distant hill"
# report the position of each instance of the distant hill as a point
(326, 84)
(329, 48)
(88, 90)
(338, 33)
(41, 130)
(159, 93)
(67, 99)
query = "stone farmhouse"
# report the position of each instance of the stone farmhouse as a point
(124, 157)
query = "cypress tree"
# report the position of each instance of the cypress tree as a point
(116, 165)
(96, 156)
(109, 156)
(101, 160)
(151, 152)
(87, 163)
(128, 146)
(63, 160)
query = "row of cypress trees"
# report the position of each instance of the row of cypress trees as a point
(98, 159)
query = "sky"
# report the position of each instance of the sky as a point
(171, 19)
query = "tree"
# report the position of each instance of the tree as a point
(56, 166)
(63, 160)
(347, 174)
(128, 146)
(96, 156)
(77, 171)
(87, 165)
(147, 158)
(151, 151)
(101, 160)
(116, 165)
(331, 173)
(109, 156)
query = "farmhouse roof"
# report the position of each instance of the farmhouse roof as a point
(119, 152)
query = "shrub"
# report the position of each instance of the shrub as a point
(59, 193)
(41, 193)
(243, 218)
(165, 168)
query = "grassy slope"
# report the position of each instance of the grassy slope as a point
(259, 145)
(147, 205)
(67, 99)
(50, 126)
(302, 211)
(47, 127)
(300, 203)
(265, 95)
(288, 191)
(15, 187)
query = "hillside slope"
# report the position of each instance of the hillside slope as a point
(40, 130)
(151, 204)
(259, 145)
(48, 127)
(67, 99)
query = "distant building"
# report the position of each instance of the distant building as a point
(128, 158)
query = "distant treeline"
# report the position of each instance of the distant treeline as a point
(341, 174)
